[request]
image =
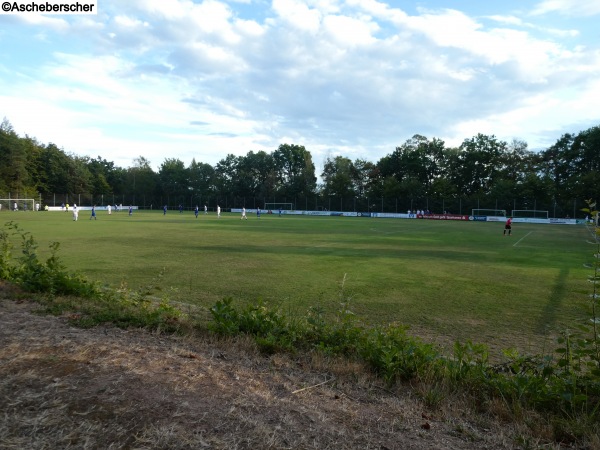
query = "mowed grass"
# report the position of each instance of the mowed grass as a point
(446, 280)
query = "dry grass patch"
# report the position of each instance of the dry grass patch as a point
(64, 387)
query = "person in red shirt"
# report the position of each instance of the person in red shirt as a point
(508, 226)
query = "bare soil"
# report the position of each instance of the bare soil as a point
(107, 388)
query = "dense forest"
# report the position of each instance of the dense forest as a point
(422, 173)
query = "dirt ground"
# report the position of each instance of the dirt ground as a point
(107, 388)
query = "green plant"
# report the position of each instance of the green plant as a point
(225, 318)
(34, 275)
(393, 354)
(468, 358)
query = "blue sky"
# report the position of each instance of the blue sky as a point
(202, 79)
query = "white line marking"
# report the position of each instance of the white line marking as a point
(515, 244)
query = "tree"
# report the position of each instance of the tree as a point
(54, 174)
(585, 154)
(423, 159)
(418, 160)
(14, 175)
(257, 175)
(296, 170)
(141, 182)
(34, 151)
(201, 179)
(226, 172)
(479, 162)
(557, 163)
(366, 174)
(100, 170)
(173, 178)
(515, 162)
(80, 177)
(339, 176)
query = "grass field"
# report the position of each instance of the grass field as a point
(446, 280)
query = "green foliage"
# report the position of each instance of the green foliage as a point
(27, 270)
(469, 365)
(565, 386)
(271, 330)
(94, 305)
(393, 354)
(6, 268)
(337, 336)
(137, 308)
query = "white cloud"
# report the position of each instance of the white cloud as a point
(298, 15)
(205, 79)
(518, 22)
(348, 31)
(166, 9)
(249, 28)
(568, 7)
(50, 23)
(124, 21)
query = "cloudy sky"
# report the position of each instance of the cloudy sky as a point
(201, 79)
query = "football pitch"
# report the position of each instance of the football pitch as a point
(446, 280)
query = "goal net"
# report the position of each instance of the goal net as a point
(277, 206)
(17, 204)
(530, 213)
(489, 212)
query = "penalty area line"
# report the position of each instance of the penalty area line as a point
(515, 244)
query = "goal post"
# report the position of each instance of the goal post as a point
(17, 204)
(530, 213)
(277, 206)
(489, 212)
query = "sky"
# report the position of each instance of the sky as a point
(199, 80)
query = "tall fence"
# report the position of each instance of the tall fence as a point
(559, 208)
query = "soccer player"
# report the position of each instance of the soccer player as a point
(75, 212)
(205, 209)
(258, 213)
(165, 210)
(218, 212)
(93, 216)
(508, 226)
(243, 214)
(196, 211)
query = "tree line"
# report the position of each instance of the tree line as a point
(422, 173)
